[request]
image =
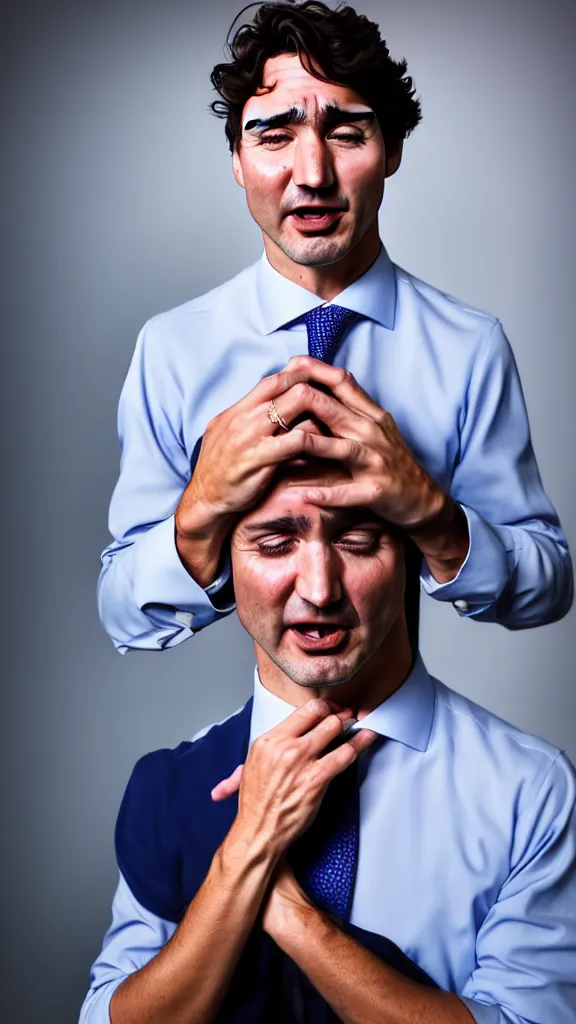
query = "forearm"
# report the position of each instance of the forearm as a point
(360, 988)
(186, 982)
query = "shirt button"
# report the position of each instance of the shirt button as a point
(185, 618)
(461, 605)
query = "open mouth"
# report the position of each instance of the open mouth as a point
(317, 217)
(319, 636)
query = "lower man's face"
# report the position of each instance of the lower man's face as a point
(317, 589)
(313, 163)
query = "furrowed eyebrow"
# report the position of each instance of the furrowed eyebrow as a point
(330, 117)
(333, 115)
(294, 115)
(284, 524)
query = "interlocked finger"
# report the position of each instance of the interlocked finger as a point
(304, 399)
(340, 381)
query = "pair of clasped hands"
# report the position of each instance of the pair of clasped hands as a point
(242, 447)
(288, 770)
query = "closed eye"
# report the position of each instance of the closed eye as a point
(276, 546)
(353, 138)
(274, 140)
(361, 541)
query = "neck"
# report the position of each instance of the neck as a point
(377, 679)
(327, 281)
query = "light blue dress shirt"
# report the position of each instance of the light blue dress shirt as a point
(467, 858)
(443, 370)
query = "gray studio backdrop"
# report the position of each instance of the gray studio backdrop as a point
(121, 203)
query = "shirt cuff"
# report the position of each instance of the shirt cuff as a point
(481, 577)
(96, 1007)
(162, 585)
(220, 593)
(483, 1013)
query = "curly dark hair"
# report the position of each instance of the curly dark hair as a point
(346, 47)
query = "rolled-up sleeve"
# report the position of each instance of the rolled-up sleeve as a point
(526, 946)
(146, 599)
(134, 938)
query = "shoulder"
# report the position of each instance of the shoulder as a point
(159, 771)
(172, 334)
(159, 776)
(436, 308)
(167, 817)
(224, 295)
(498, 753)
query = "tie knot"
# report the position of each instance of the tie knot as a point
(325, 326)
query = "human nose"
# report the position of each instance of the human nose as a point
(313, 167)
(318, 576)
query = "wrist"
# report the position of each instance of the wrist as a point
(443, 540)
(200, 521)
(292, 924)
(240, 853)
(199, 542)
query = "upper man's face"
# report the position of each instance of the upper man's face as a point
(313, 163)
(318, 590)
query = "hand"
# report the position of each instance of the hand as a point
(240, 451)
(286, 775)
(227, 787)
(384, 474)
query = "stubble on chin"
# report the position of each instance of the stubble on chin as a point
(312, 674)
(315, 252)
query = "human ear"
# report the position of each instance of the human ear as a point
(237, 168)
(393, 156)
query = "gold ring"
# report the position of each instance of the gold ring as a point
(275, 417)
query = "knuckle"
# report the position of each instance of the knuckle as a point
(366, 429)
(281, 380)
(346, 754)
(288, 756)
(314, 708)
(301, 391)
(312, 777)
(317, 706)
(332, 723)
(261, 746)
(258, 746)
(344, 375)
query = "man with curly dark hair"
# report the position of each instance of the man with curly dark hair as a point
(225, 387)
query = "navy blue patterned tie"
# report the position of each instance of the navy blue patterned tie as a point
(326, 326)
(325, 858)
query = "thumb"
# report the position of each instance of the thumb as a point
(227, 787)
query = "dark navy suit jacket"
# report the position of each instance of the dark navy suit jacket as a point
(167, 832)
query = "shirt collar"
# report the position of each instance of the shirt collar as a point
(406, 716)
(282, 301)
